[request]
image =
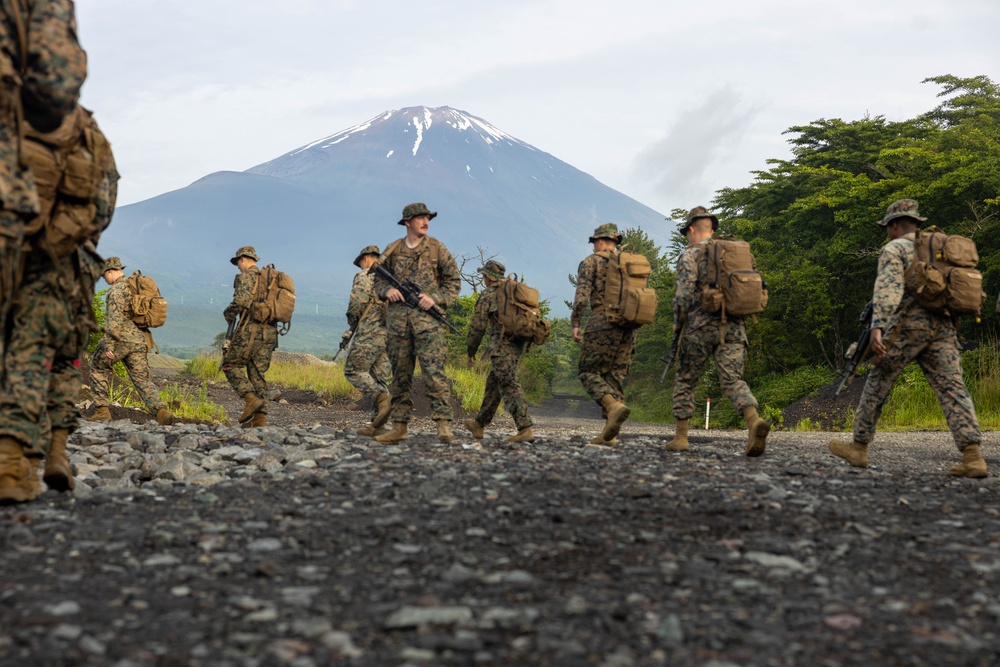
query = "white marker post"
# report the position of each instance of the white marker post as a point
(708, 409)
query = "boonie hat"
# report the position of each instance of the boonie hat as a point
(694, 214)
(904, 208)
(493, 269)
(367, 250)
(245, 251)
(413, 210)
(112, 263)
(608, 230)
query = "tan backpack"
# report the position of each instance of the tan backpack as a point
(517, 311)
(735, 286)
(74, 174)
(942, 276)
(149, 308)
(627, 299)
(275, 300)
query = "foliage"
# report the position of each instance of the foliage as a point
(469, 385)
(205, 366)
(193, 405)
(326, 380)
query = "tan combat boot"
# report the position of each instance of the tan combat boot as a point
(680, 441)
(258, 419)
(444, 431)
(102, 414)
(384, 404)
(397, 434)
(757, 430)
(371, 431)
(253, 404)
(599, 440)
(617, 413)
(163, 417)
(973, 464)
(18, 474)
(475, 428)
(58, 473)
(855, 453)
(523, 435)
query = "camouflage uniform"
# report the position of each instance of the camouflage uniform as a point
(129, 344)
(912, 333)
(253, 342)
(367, 366)
(412, 333)
(606, 349)
(705, 335)
(41, 341)
(504, 351)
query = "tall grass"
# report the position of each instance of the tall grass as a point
(205, 366)
(469, 385)
(326, 380)
(193, 405)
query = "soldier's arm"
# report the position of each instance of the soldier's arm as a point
(56, 67)
(116, 313)
(361, 291)
(243, 292)
(477, 326)
(584, 286)
(889, 286)
(450, 280)
(686, 281)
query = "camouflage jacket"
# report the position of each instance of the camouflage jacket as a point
(591, 277)
(55, 69)
(439, 280)
(363, 291)
(691, 278)
(118, 325)
(244, 292)
(890, 298)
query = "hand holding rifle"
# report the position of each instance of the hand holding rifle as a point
(858, 349)
(671, 353)
(410, 293)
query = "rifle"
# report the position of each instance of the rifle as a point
(229, 335)
(671, 354)
(411, 295)
(858, 349)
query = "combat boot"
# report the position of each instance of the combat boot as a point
(855, 453)
(384, 404)
(617, 413)
(371, 431)
(444, 431)
(102, 414)
(397, 434)
(757, 430)
(253, 404)
(973, 464)
(475, 428)
(163, 417)
(18, 474)
(58, 473)
(598, 440)
(680, 441)
(258, 419)
(523, 435)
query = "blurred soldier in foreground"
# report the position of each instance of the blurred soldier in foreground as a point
(252, 344)
(915, 334)
(504, 352)
(412, 332)
(46, 277)
(123, 341)
(367, 365)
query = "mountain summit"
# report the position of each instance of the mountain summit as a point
(310, 210)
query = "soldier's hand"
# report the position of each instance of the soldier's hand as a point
(425, 302)
(576, 334)
(394, 295)
(109, 354)
(225, 345)
(877, 346)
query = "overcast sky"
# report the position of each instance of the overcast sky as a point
(666, 101)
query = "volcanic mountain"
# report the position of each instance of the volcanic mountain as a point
(312, 209)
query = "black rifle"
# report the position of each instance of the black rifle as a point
(345, 339)
(858, 349)
(411, 295)
(229, 335)
(671, 354)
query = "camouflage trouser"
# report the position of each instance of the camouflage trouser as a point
(412, 339)
(251, 348)
(933, 344)
(367, 366)
(136, 363)
(502, 383)
(605, 357)
(729, 354)
(41, 366)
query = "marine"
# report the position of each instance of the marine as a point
(412, 332)
(125, 342)
(704, 334)
(606, 349)
(247, 355)
(367, 365)
(902, 331)
(504, 352)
